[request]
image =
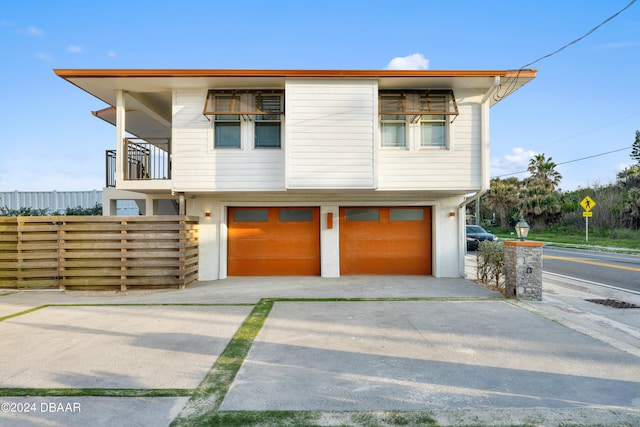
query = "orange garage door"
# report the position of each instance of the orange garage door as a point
(274, 242)
(375, 240)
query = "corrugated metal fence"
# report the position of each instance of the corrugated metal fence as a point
(55, 201)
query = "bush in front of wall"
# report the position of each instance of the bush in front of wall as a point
(491, 263)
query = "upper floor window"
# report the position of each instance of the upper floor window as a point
(246, 117)
(415, 118)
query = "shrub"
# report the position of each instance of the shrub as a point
(491, 262)
(96, 210)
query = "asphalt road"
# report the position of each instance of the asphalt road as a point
(619, 270)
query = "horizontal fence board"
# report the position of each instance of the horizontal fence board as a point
(98, 252)
(136, 281)
(113, 263)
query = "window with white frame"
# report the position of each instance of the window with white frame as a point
(415, 119)
(246, 118)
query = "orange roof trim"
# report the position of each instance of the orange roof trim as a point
(146, 73)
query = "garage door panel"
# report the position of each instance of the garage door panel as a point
(272, 267)
(269, 249)
(286, 243)
(398, 242)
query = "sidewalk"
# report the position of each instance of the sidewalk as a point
(565, 300)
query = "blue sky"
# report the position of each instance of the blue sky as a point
(584, 102)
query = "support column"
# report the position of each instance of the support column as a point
(523, 269)
(121, 161)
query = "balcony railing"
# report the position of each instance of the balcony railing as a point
(146, 159)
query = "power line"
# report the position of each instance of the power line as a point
(569, 161)
(579, 38)
(512, 81)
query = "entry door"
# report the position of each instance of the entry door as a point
(385, 240)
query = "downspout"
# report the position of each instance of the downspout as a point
(484, 170)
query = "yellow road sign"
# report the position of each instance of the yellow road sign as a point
(587, 203)
(587, 214)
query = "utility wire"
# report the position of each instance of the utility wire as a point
(568, 161)
(512, 82)
(579, 38)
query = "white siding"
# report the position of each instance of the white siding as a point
(330, 133)
(454, 168)
(196, 166)
(331, 142)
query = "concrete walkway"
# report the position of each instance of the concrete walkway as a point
(447, 346)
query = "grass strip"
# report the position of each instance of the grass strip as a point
(101, 392)
(5, 294)
(31, 310)
(151, 305)
(388, 299)
(322, 418)
(22, 313)
(204, 403)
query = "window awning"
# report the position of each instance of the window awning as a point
(265, 102)
(418, 103)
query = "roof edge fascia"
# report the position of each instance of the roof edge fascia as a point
(195, 73)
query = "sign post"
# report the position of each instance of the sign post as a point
(587, 204)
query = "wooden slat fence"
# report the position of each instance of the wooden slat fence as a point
(98, 252)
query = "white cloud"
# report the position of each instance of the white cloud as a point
(622, 166)
(43, 56)
(111, 54)
(519, 157)
(518, 161)
(75, 49)
(33, 31)
(417, 61)
(618, 45)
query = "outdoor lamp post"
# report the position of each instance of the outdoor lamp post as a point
(522, 228)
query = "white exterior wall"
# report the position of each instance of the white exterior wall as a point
(446, 238)
(456, 167)
(197, 166)
(330, 135)
(331, 141)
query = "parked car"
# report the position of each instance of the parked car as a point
(477, 234)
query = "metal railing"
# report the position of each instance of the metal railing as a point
(111, 168)
(146, 159)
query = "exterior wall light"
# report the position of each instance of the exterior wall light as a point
(522, 229)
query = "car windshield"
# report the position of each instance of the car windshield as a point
(475, 229)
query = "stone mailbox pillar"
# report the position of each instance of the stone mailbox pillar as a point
(523, 269)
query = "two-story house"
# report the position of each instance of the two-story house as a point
(305, 172)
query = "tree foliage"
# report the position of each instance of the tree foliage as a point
(503, 197)
(635, 149)
(539, 200)
(96, 210)
(543, 205)
(631, 208)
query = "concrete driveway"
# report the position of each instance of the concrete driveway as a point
(447, 348)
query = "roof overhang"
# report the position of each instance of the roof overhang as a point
(102, 83)
(153, 87)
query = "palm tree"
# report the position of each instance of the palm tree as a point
(503, 197)
(629, 177)
(539, 201)
(631, 210)
(544, 170)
